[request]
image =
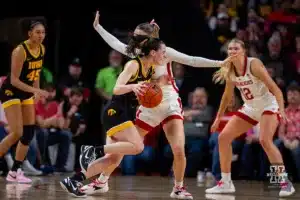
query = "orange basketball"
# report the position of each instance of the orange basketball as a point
(152, 96)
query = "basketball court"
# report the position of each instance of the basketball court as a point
(134, 188)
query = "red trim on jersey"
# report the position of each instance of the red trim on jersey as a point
(143, 125)
(170, 74)
(245, 65)
(269, 112)
(171, 118)
(246, 118)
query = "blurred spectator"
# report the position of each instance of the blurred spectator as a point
(285, 13)
(253, 154)
(75, 118)
(46, 76)
(74, 78)
(107, 77)
(237, 144)
(144, 160)
(295, 61)
(51, 128)
(181, 83)
(264, 7)
(197, 119)
(222, 31)
(274, 59)
(289, 133)
(222, 14)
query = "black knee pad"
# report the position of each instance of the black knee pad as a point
(28, 133)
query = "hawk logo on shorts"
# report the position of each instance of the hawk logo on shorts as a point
(111, 112)
(8, 93)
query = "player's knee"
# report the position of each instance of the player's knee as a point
(178, 151)
(16, 133)
(28, 134)
(139, 147)
(265, 141)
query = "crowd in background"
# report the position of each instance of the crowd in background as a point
(271, 31)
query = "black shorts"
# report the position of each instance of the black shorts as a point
(10, 95)
(117, 116)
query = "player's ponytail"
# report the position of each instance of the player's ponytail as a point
(136, 42)
(223, 74)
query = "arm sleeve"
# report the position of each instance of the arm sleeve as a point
(182, 58)
(111, 40)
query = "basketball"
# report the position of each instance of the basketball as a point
(152, 96)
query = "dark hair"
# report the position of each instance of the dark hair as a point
(76, 91)
(137, 41)
(293, 87)
(29, 23)
(148, 45)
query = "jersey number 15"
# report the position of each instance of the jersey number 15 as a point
(34, 75)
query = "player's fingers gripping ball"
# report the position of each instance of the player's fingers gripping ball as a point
(152, 96)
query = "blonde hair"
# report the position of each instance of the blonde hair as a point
(227, 71)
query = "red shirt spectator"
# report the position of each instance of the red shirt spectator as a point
(46, 110)
(293, 125)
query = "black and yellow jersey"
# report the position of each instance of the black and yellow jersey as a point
(140, 76)
(30, 72)
(32, 65)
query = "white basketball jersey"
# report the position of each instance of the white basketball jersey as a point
(170, 90)
(253, 91)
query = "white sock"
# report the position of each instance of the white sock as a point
(226, 176)
(103, 178)
(179, 184)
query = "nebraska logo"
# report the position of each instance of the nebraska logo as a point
(243, 83)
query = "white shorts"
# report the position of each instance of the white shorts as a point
(253, 114)
(168, 109)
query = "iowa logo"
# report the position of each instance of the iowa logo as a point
(8, 92)
(111, 112)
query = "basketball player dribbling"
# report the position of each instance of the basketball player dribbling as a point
(17, 93)
(263, 103)
(168, 113)
(119, 114)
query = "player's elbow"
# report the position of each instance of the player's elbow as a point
(117, 90)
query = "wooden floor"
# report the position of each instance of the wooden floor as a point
(132, 188)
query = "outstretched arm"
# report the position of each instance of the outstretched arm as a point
(182, 58)
(111, 40)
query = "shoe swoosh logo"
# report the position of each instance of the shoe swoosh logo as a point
(73, 187)
(12, 176)
(86, 156)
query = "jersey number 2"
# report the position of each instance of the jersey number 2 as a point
(34, 75)
(246, 93)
